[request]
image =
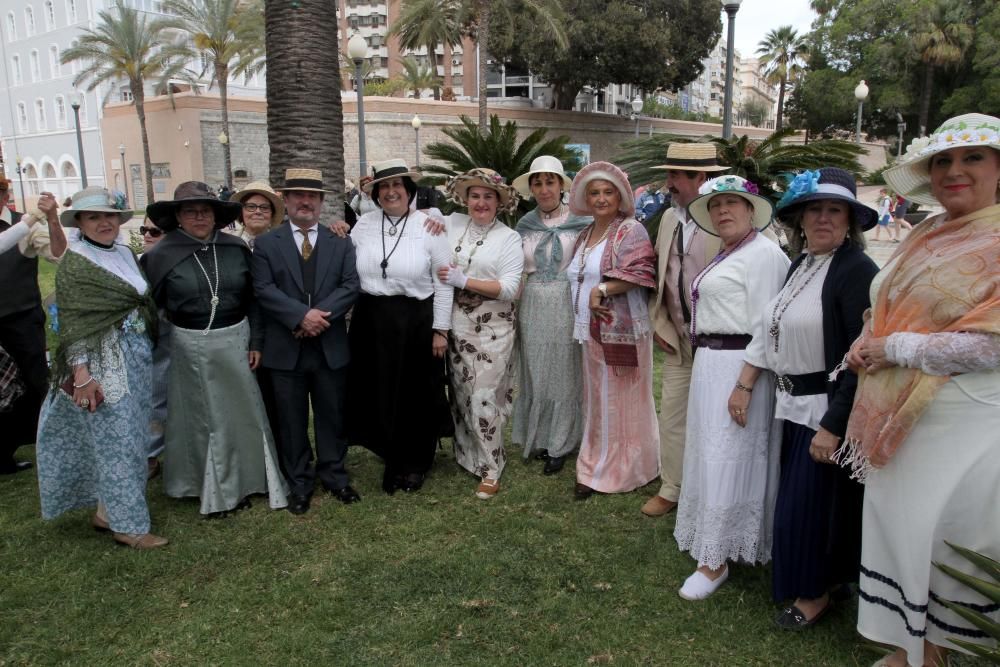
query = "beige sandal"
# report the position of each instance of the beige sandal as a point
(487, 488)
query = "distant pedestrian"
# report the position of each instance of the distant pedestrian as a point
(899, 222)
(884, 213)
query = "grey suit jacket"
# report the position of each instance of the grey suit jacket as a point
(277, 281)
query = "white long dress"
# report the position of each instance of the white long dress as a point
(726, 505)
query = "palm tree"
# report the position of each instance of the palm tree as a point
(781, 52)
(213, 27)
(305, 125)
(128, 45)
(940, 41)
(427, 23)
(418, 76)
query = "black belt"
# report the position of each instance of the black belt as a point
(723, 341)
(808, 384)
(199, 322)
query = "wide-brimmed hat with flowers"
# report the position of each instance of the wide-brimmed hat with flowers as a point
(543, 164)
(264, 189)
(94, 199)
(730, 185)
(164, 213)
(911, 177)
(481, 177)
(600, 171)
(823, 184)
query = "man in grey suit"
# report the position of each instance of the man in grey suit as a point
(305, 280)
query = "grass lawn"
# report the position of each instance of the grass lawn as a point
(531, 577)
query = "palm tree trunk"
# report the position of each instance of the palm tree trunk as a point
(139, 97)
(305, 126)
(925, 100)
(432, 61)
(222, 78)
(781, 106)
(482, 40)
(449, 74)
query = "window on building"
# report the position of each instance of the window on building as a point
(48, 171)
(60, 105)
(15, 69)
(83, 110)
(40, 121)
(50, 15)
(125, 95)
(240, 173)
(22, 116)
(68, 170)
(29, 21)
(36, 70)
(11, 27)
(71, 11)
(72, 63)
(54, 61)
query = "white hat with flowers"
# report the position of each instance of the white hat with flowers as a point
(763, 209)
(911, 177)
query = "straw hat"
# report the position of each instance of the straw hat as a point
(94, 199)
(911, 177)
(386, 169)
(730, 185)
(600, 171)
(164, 213)
(543, 164)
(822, 184)
(263, 188)
(696, 156)
(308, 180)
(481, 177)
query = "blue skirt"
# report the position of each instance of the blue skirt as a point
(817, 522)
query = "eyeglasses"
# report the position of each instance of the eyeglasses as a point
(152, 231)
(253, 208)
(192, 213)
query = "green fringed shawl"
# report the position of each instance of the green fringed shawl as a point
(92, 301)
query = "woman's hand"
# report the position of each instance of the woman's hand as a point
(823, 446)
(872, 353)
(434, 226)
(439, 344)
(48, 205)
(598, 307)
(452, 275)
(254, 357)
(87, 392)
(739, 403)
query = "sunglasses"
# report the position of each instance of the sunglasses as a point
(253, 208)
(152, 231)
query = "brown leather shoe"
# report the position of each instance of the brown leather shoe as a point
(100, 524)
(147, 541)
(658, 506)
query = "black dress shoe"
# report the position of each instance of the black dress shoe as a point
(298, 504)
(554, 464)
(346, 495)
(391, 482)
(412, 482)
(582, 491)
(11, 467)
(542, 455)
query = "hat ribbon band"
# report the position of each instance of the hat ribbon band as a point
(834, 189)
(391, 171)
(92, 201)
(293, 183)
(682, 162)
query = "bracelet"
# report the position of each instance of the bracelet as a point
(440, 333)
(81, 386)
(743, 387)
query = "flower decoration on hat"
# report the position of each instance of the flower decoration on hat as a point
(805, 183)
(731, 184)
(117, 200)
(953, 134)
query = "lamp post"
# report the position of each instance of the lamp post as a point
(860, 94)
(20, 180)
(901, 126)
(125, 174)
(357, 50)
(636, 108)
(74, 102)
(415, 124)
(731, 7)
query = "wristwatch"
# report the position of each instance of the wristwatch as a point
(603, 289)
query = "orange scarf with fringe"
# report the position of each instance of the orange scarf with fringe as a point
(946, 278)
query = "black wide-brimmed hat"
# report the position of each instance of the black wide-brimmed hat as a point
(822, 184)
(164, 213)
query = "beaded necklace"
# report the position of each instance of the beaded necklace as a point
(721, 257)
(480, 241)
(212, 289)
(584, 253)
(795, 286)
(384, 264)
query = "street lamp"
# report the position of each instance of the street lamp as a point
(125, 174)
(357, 50)
(860, 94)
(901, 126)
(74, 102)
(636, 108)
(731, 7)
(415, 124)
(20, 181)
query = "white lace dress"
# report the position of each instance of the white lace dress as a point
(726, 505)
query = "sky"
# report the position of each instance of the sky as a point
(756, 17)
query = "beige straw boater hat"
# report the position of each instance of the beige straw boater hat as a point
(263, 188)
(912, 177)
(308, 180)
(386, 169)
(695, 156)
(543, 164)
(600, 171)
(730, 185)
(94, 199)
(481, 177)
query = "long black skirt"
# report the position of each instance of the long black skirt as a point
(396, 398)
(817, 522)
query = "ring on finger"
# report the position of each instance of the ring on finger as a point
(85, 403)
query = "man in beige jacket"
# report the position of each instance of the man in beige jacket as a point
(683, 250)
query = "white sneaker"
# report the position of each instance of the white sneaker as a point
(698, 586)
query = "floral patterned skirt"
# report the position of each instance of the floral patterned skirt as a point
(481, 370)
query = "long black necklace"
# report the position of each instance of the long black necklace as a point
(392, 231)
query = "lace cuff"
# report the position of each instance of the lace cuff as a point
(949, 353)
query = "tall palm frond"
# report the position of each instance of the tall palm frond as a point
(418, 76)
(427, 23)
(782, 53)
(940, 41)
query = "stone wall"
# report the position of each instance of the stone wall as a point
(248, 148)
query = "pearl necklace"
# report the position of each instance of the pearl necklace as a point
(213, 290)
(794, 287)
